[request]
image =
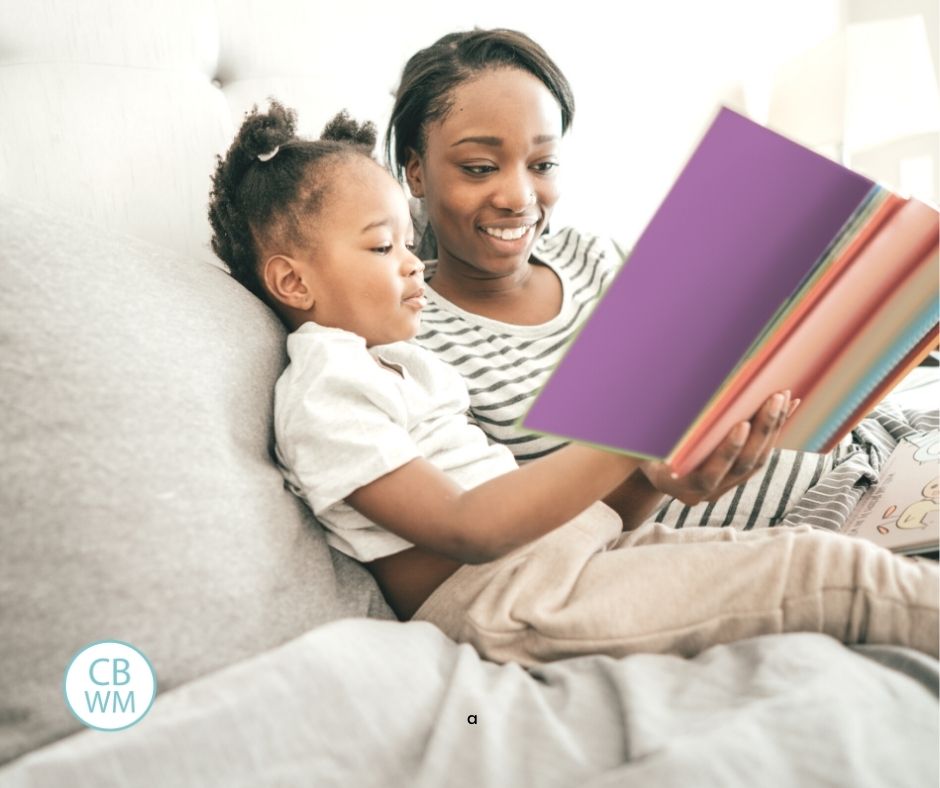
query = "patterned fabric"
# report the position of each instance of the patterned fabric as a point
(796, 488)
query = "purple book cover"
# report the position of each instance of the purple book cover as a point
(745, 222)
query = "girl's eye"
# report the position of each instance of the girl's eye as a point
(382, 249)
(478, 169)
(411, 247)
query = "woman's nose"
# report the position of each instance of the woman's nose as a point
(515, 191)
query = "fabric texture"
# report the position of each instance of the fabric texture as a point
(138, 497)
(342, 420)
(588, 588)
(794, 488)
(505, 365)
(375, 703)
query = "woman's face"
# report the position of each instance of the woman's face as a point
(489, 173)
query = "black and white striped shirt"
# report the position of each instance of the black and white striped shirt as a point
(505, 365)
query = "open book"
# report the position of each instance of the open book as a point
(902, 511)
(767, 267)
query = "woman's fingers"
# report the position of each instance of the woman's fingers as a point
(763, 442)
(710, 475)
(745, 449)
(793, 406)
(767, 424)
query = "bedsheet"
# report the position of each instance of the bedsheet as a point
(364, 702)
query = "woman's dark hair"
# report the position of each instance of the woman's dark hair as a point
(425, 92)
(270, 182)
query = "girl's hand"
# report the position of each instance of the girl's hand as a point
(744, 451)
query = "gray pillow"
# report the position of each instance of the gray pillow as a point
(138, 498)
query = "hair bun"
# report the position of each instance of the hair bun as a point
(263, 132)
(343, 128)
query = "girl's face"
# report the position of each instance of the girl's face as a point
(489, 173)
(360, 268)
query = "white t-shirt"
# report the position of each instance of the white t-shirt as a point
(342, 420)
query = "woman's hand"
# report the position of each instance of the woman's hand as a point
(744, 451)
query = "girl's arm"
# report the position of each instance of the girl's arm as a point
(423, 505)
(420, 503)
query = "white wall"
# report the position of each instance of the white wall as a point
(647, 76)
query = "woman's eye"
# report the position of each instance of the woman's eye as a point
(478, 169)
(545, 166)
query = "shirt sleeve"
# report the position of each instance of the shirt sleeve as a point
(340, 419)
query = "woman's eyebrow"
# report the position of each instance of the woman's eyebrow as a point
(496, 142)
(493, 141)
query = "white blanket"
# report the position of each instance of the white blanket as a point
(362, 702)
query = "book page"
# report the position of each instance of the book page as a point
(901, 512)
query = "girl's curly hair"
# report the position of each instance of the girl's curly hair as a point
(271, 182)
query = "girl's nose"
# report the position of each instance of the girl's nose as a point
(413, 264)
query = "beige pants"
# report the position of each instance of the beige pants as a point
(588, 588)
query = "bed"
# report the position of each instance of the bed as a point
(139, 501)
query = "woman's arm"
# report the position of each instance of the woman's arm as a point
(634, 500)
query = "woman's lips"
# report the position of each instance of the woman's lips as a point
(507, 233)
(509, 237)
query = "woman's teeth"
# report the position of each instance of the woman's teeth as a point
(507, 234)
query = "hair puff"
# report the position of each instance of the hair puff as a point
(343, 128)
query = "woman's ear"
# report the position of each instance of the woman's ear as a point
(414, 173)
(283, 279)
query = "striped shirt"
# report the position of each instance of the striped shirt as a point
(796, 488)
(505, 365)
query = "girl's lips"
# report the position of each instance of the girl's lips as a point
(417, 300)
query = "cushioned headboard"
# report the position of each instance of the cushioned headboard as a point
(114, 111)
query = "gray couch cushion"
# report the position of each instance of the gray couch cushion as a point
(138, 499)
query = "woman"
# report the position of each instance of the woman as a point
(476, 132)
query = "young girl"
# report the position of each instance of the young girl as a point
(524, 563)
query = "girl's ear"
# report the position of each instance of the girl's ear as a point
(284, 281)
(414, 173)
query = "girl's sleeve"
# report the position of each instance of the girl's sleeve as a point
(340, 423)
